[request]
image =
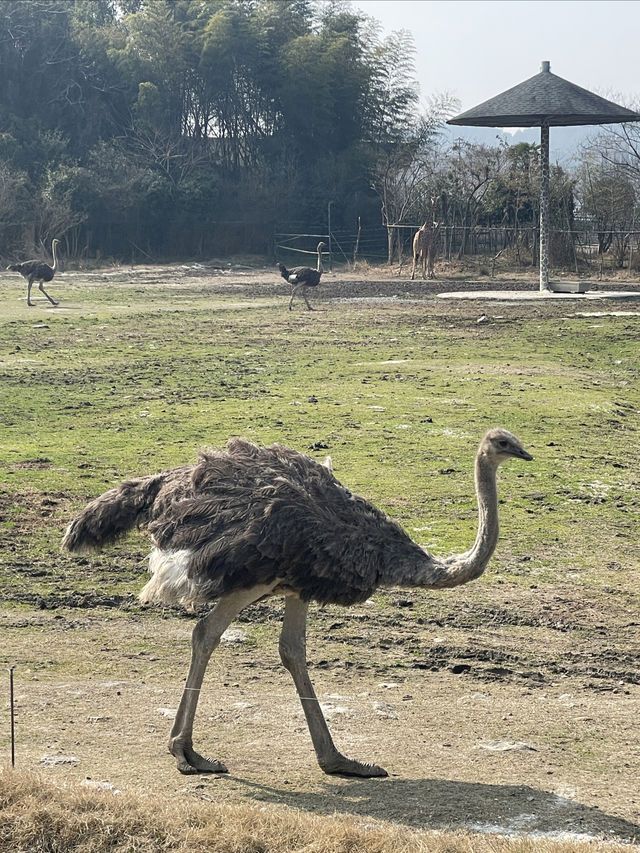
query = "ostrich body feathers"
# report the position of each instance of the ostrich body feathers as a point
(251, 515)
(301, 275)
(34, 270)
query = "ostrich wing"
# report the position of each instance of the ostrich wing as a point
(254, 514)
(304, 275)
(37, 270)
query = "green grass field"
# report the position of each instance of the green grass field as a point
(396, 393)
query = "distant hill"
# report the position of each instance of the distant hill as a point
(564, 142)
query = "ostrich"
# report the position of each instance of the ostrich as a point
(303, 277)
(249, 522)
(38, 271)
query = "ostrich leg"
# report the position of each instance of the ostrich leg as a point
(206, 636)
(293, 655)
(50, 298)
(304, 296)
(40, 287)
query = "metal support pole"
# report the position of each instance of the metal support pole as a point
(544, 206)
(329, 236)
(13, 720)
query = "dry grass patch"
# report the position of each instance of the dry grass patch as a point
(38, 817)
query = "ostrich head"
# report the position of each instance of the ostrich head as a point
(499, 444)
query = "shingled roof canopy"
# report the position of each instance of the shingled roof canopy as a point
(545, 100)
(545, 97)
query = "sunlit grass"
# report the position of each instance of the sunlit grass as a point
(399, 395)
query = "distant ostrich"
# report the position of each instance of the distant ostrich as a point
(38, 271)
(303, 277)
(249, 522)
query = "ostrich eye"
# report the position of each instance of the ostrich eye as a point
(503, 443)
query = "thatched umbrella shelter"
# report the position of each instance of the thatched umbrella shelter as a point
(545, 100)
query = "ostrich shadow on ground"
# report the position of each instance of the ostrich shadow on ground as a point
(437, 804)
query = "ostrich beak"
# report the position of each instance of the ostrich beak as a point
(521, 453)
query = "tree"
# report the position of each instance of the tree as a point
(472, 170)
(401, 137)
(144, 123)
(53, 80)
(155, 58)
(17, 208)
(608, 198)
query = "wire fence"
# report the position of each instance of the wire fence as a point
(570, 248)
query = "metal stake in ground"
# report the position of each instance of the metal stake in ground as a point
(13, 718)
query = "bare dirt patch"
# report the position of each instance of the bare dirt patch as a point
(513, 717)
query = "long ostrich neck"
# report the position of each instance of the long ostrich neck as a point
(460, 568)
(320, 267)
(54, 247)
(475, 561)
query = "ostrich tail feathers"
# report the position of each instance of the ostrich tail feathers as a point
(112, 514)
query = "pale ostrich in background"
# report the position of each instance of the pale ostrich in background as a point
(249, 522)
(38, 271)
(303, 277)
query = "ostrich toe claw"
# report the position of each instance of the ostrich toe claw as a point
(191, 762)
(342, 766)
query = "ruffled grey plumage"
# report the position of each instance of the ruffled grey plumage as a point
(248, 515)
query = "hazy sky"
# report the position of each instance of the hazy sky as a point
(475, 49)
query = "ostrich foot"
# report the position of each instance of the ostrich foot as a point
(342, 766)
(191, 762)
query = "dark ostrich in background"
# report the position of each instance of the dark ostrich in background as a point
(38, 271)
(303, 277)
(249, 522)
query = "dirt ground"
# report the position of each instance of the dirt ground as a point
(500, 711)
(507, 716)
(247, 277)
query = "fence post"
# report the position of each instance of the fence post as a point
(12, 713)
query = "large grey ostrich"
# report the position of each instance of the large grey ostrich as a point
(303, 277)
(249, 522)
(38, 271)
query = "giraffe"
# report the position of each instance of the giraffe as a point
(425, 248)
